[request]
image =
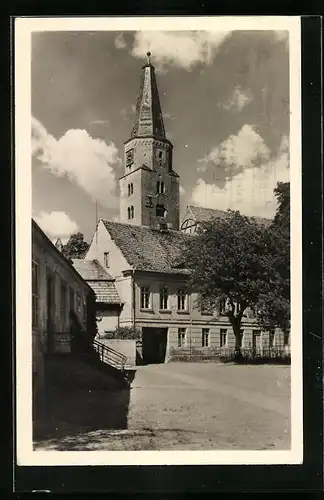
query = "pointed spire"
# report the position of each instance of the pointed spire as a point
(148, 117)
(59, 245)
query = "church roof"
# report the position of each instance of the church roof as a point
(202, 214)
(148, 115)
(147, 249)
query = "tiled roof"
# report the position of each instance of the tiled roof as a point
(202, 214)
(105, 291)
(90, 270)
(98, 279)
(149, 249)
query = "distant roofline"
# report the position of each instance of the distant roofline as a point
(190, 206)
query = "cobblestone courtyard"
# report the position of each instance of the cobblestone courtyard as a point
(181, 406)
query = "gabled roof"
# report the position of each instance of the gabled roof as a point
(105, 291)
(98, 279)
(59, 256)
(202, 214)
(147, 249)
(91, 270)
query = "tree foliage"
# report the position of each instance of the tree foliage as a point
(246, 264)
(124, 333)
(76, 247)
(228, 261)
(274, 307)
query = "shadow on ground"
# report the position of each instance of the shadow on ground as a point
(80, 403)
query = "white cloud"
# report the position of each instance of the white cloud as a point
(87, 162)
(238, 100)
(179, 48)
(56, 224)
(120, 42)
(251, 191)
(237, 152)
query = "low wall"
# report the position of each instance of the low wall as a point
(126, 347)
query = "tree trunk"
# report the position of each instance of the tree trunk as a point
(238, 340)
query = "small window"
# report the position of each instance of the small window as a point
(130, 189)
(129, 157)
(145, 297)
(160, 154)
(205, 337)
(160, 187)
(78, 303)
(164, 298)
(181, 337)
(35, 293)
(106, 259)
(182, 299)
(130, 212)
(286, 339)
(160, 211)
(271, 338)
(223, 337)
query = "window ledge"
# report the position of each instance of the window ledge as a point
(167, 311)
(142, 309)
(183, 311)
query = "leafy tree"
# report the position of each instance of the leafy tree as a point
(76, 247)
(228, 261)
(273, 309)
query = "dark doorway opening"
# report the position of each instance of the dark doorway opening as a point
(154, 343)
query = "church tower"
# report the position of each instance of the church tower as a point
(149, 188)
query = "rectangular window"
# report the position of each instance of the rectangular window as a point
(271, 338)
(160, 210)
(106, 259)
(286, 339)
(63, 301)
(205, 337)
(145, 297)
(164, 298)
(256, 339)
(181, 337)
(35, 293)
(223, 337)
(182, 299)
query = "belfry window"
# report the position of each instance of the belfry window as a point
(130, 189)
(160, 210)
(160, 187)
(130, 212)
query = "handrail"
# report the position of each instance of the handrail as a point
(109, 355)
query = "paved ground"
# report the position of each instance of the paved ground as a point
(194, 406)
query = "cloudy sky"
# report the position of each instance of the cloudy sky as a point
(225, 100)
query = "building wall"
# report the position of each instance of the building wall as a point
(109, 321)
(49, 261)
(101, 243)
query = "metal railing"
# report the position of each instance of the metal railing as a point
(110, 356)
